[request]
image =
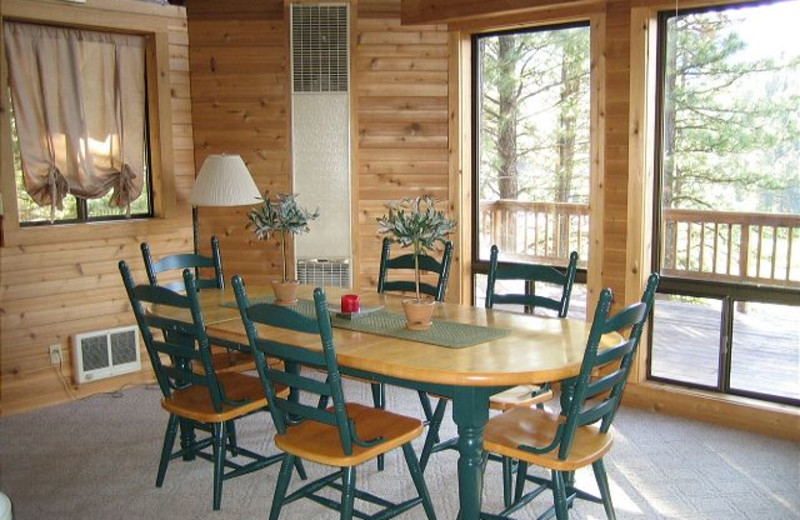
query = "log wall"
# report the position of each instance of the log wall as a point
(64, 280)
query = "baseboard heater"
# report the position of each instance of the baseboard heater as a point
(105, 353)
(324, 272)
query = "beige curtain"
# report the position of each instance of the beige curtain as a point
(79, 105)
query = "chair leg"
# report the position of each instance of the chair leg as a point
(301, 470)
(379, 401)
(507, 489)
(522, 474)
(559, 495)
(188, 438)
(605, 491)
(166, 449)
(219, 463)
(348, 492)
(427, 410)
(419, 480)
(230, 426)
(284, 476)
(433, 433)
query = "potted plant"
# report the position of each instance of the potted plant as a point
(416, 223)
(280, 216)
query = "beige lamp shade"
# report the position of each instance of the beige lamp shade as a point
(224, 180)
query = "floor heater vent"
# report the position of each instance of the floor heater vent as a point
(105, 353)
(323, 272)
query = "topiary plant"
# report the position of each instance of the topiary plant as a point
(280, 215)
(416, 223)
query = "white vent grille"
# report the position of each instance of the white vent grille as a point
(319, 48)
(319, 272)
(105, 353)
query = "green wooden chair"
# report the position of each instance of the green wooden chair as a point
(344, 435)
(523, 395)
(406, 262)
(194, 394)
(428, 264)
(226, 355)
(179, 262)
(581, 433)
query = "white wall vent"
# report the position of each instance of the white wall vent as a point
(321, 134)
(105, 353)
(324, 272)
(319, 48)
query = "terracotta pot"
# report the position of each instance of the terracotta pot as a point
(285, 292)
(419, 313)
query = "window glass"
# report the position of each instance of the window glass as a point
(532, 155)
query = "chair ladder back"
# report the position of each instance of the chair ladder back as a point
(578, 401)
(184, 343)
(531, 274)
(288, 411)
(427, 263)
(186, 260)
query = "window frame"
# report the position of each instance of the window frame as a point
(157, 25)
(479, 266)
(728, 293)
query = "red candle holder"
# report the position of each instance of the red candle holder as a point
(350, 303)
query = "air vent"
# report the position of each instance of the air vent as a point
(105, 353)
(320, 272)
(319, 48)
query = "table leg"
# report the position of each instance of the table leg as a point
(470, 413)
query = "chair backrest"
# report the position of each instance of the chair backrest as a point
(595, 393)
(288, 411)
(184, 341)
(426, 264)
(531, 274)
(186, 261)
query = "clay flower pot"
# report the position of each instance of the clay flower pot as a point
(285, 292)
(419, 313)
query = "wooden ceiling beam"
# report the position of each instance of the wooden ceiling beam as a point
(415, 12)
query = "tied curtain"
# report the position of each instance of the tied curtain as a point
(79, 106)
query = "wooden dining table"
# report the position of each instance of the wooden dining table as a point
(534, 350)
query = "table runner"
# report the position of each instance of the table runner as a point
(384, 323)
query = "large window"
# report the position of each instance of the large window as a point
(78, 123)
(728, 201)
(531, 159)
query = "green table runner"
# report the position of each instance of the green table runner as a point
(385, 323)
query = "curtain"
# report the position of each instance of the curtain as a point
(79, 106)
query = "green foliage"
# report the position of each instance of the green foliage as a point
(418, 224)
(280, 216)
(731, 134)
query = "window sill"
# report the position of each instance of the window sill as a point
(743, 413)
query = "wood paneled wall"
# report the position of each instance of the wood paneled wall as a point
(401, 103)
(241, 104)
(64, 280)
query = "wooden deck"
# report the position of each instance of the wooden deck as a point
(766, 346)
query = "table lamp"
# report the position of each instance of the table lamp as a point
(224, 180)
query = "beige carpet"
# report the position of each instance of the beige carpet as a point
(97, 459)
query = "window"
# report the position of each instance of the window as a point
(531, 118)
(79, 125)
(728, 198)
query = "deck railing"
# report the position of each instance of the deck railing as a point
(757, 248)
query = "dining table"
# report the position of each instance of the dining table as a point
(483, 352)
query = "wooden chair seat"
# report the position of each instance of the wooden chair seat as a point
(320, 442)
(195, 403)
(226, 360)
(534, 427)
(521, 395)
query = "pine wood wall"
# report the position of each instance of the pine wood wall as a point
(61, 281)
(241, 105)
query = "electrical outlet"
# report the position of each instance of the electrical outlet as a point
(55, 354)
